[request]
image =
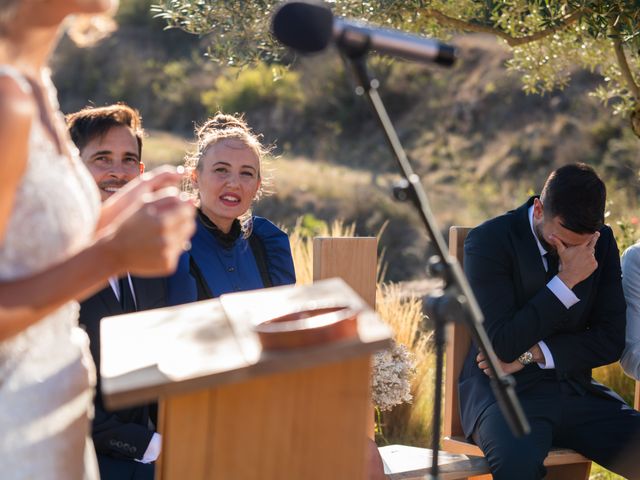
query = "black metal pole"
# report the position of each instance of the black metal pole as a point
(456, 301)
(440, 339)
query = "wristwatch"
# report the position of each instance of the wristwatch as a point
(526, 358)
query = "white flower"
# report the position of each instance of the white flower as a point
(393, 371)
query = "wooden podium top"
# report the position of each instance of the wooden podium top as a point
(150, 354)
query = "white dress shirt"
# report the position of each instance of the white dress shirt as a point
(558, 288)
(152, 452)
(115, 286)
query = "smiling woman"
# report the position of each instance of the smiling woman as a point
(231, 250)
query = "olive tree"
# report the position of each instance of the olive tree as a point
(548, 38)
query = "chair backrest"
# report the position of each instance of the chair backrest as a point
(458, 341)
(354, 259)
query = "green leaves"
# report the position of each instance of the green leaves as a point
(237, 32)
(550, 38)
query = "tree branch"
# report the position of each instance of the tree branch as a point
(634, 88)
(631, 84)
(511, 40)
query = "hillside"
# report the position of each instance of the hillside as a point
(478, 142)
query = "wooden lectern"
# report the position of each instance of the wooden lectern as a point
(230, 411)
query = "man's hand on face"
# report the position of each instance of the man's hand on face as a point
(576, 262)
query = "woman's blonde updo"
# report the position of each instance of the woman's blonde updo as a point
(228, 127)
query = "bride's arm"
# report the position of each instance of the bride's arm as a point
(145, 239)
(16, 112)
(23, 302)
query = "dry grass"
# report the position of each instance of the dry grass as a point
(163, 148)
(300, 176)
(613, 377)
(601, 473)
(409, 424)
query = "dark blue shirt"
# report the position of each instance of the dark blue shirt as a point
(231, 267)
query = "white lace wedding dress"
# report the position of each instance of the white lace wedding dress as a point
(46, 372)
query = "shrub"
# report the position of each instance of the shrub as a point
(254, 88)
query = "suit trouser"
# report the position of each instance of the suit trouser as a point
(601, 428)
(122, 469)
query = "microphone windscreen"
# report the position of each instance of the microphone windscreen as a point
(303, 26)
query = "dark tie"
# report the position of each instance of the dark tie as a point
(552, 265)
(126, 297)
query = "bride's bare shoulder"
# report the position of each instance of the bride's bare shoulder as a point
(16, 102)
(17, 111)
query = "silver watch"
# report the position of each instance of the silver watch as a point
(526, 358)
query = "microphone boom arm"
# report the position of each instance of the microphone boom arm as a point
(456, 301)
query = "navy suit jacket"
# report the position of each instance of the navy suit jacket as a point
(120, 436)
(504, 267)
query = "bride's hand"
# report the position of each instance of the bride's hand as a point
(131, 197)
(152, 228)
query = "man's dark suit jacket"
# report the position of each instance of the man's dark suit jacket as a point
(123, 435)
(504, 267)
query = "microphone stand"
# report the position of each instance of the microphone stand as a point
(455, 302)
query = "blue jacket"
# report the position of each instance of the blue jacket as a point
(231, 269)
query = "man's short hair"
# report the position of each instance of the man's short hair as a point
(92, 122)
(576, 195)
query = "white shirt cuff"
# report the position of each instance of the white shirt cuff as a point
(564, 293)
(153, 449)
(548, 358)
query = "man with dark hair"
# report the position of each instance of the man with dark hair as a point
(547, 278)
(110, 143)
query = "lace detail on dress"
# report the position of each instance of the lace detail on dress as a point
(54, 212)
(55, 209)
(45, 371)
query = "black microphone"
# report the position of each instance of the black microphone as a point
(309, 27)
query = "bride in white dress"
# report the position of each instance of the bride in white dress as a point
(58, 244)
